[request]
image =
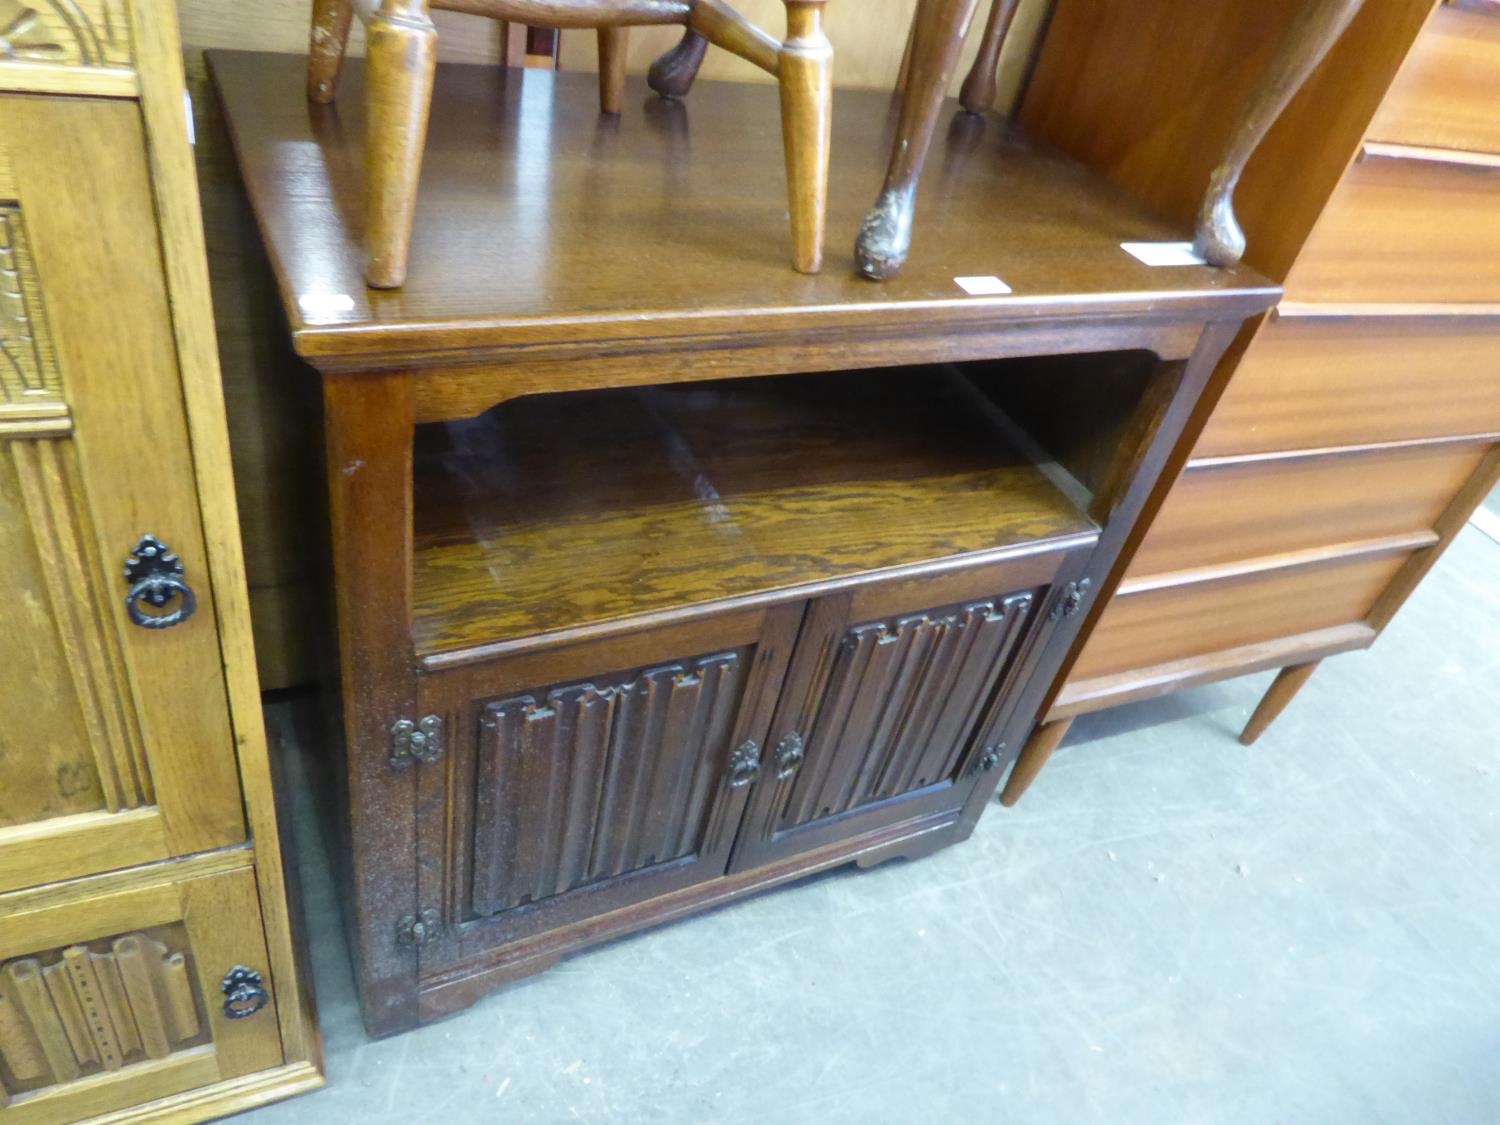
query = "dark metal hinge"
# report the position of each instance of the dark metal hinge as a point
(420, 741)
(1074, 594)
(417, 929)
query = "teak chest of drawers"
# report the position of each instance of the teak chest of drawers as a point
(664, 575)
(1359, 424)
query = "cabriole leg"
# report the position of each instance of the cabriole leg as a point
(613, 42)
(402, 50)
(1034, 755)
(325, 47)
(672, 75)
(806, 126)
(885, 237)
(1316, 27)
(978, 92)
(1284, 687)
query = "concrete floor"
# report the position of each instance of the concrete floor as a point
(1169, 928)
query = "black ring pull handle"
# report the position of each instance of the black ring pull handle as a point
(243, 994)
(155, 576)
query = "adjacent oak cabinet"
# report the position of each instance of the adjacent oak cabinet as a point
(148, 968)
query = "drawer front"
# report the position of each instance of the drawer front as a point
(1178, 622)
(1313, 383)
(117, 749)
(1405, 230)
(1223, 514)
(117, 998)
(1447, 94)
(67, 46)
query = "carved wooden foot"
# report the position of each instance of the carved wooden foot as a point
(978, 92)
(806, 78)
(673, 74)
(885, 236)
(325, 47)
(1317, 26)
(613, 45)
(402, 52)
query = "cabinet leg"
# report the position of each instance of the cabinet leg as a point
(402, 51)
(806, 125)
(885, 237)
(613, 42)
(978, 92)
(1317, 26)
(1286, 685)
(673, 74)
(1033, 757)
(325, 47)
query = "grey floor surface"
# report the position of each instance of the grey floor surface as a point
(1170, 928)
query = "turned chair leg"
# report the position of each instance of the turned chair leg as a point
(1283, 688)
(978, 92)
(885, 237)
(613, 42)
(806, 79)
(1033, 757)
(401, 45)
(1316, 27)
(325, 48)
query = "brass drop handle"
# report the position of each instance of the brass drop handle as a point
(744, 764)
(243, 993)
(789, 754)
(154, 574)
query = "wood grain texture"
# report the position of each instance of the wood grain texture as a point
(489, 277)
(153, 702)
(1313, 384)
(742, 488)
(170, 154)
(1228, 513)
(1179, 622)
(1399, 230)
(1446, 93)
(1160, 139)
(66, 46)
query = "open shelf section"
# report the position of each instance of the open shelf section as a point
(561, 512)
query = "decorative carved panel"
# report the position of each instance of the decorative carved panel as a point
(28, 363)
(583, 783)
(66, 32)
(897, 706)
(69, 1013)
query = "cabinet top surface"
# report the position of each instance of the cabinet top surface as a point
(541, 222)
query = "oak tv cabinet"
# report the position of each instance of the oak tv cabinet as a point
(664, 575)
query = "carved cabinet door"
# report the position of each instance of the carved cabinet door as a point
(116, 746)
(880, 716)
(598, 776)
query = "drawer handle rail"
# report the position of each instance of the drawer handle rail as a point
(155, 577)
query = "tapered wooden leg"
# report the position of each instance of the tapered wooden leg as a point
(672, 75)
(1286, 685)
(402, 52)
(1033, 757)
(806, 78)
(978, 92)
(885, 237)
(1315, 28)
(325, 47)
(613, 42)
(903, 76)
